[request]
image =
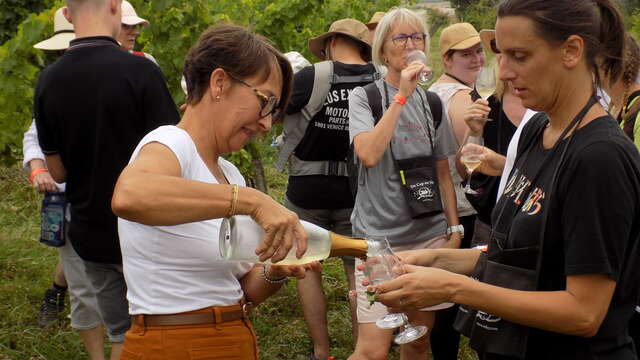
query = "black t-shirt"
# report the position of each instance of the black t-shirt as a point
(593, 227)
(92, 107)
(326, 138)
(497, 135)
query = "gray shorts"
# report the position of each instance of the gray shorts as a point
(85, 314)
(336, 220)
(111, 293)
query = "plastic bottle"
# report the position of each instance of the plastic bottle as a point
(52, 219)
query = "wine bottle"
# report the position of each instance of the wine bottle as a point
(240, 236)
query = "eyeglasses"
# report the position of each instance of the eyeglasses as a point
(267, 103)
(401, 39)
(131, 27)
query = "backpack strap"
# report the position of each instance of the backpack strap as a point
(374, 98)
(435, 104)
(323, 78)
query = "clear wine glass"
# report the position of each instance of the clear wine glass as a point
(420, 56)
(382, 266)
(471, 152)
(486, 83)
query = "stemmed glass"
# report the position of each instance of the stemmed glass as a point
(471, 152)
(420, 56)
(486, 83)
(380, 267)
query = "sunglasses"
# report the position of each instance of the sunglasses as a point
(267, 103)
(131, 27)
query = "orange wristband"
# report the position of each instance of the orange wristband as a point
(35, 172)
(400, 99)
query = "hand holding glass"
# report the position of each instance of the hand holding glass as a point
(486, 83)
(379, 269)
(421, 57)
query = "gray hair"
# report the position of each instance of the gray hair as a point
(393, 16)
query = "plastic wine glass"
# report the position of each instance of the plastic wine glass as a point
(377, 272)
(486, 83)
(471, 152)
(419, 56)
(380, 268)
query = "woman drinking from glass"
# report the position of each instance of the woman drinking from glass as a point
(403, 174)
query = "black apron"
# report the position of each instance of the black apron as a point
(502, 267)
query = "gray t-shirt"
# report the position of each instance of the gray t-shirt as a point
(380, 207)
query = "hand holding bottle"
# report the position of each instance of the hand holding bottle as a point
(282, 230)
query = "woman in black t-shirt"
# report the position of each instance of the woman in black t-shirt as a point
(559, 278)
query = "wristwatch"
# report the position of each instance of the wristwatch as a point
(456, 228)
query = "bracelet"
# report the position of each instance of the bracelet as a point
(234, 200)
(400, 99)
(271, 281)
(35, 172)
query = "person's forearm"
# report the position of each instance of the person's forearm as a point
(256, 288)
(447, 192)
(37, 164)
(371, 145)
(459, 261)
(556, 311)
(153, 199)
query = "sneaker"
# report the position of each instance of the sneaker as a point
(51, 307)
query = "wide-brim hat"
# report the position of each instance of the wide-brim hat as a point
(488, 38)
(129, 15)
(375, 19)
(349, 27)
(62, 34)
(458, 36)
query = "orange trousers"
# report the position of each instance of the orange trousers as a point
(232, 340)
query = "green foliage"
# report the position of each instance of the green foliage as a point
(15, 11)
(20, 65)
(635, 24)
(175, 26)
(481, 14)
(436, 21)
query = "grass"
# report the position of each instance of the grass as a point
(27, 267)
(26, 270)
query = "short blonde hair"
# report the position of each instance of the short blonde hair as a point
(393, 16)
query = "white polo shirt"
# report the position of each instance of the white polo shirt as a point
(173, 269)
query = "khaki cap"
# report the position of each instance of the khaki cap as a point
(62, 34)
(375, 19)
(349, 27)
(488, 37)
(458, 36)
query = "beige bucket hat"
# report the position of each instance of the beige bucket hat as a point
(458, 36)
(349, 27)
(375, 19)
(129, 15)
(62, 33)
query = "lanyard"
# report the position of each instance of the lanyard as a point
(424, 109)
(574, 123)
(457, 79)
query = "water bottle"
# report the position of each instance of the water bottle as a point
(240, 236)
(52, 219)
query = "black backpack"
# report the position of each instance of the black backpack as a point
(374, 98)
